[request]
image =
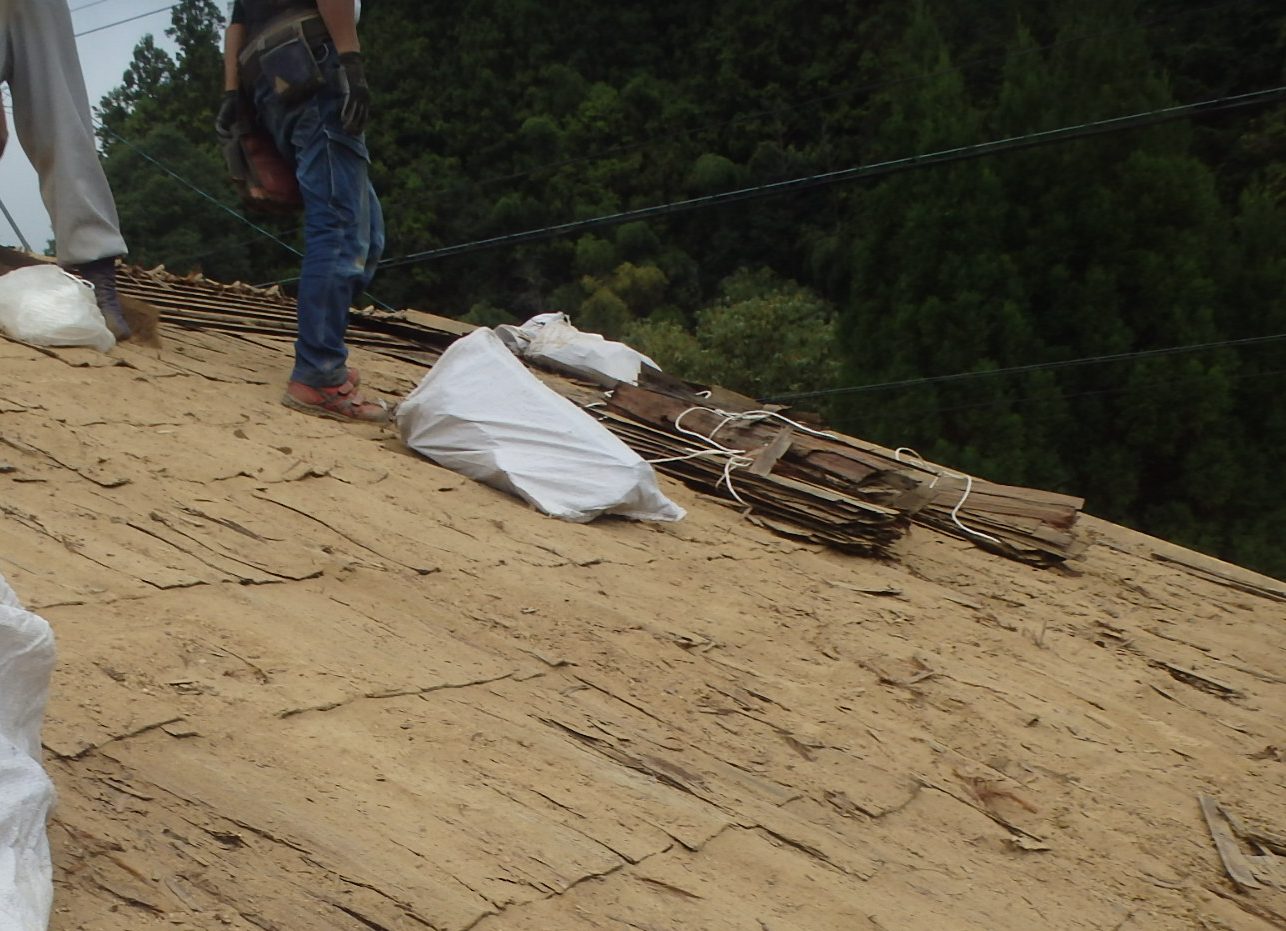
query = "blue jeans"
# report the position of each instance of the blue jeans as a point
(343, 222)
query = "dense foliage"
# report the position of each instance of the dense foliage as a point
(501, 116)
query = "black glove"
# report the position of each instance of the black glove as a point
(356, 110)
(228, 115)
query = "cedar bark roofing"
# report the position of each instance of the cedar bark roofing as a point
(838, 491)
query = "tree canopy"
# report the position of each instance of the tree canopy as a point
(1005, 272)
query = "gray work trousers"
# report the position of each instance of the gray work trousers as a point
(39, 61)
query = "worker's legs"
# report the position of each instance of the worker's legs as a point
(52, 121)
(339, 209)
(343, 223)
(344, 236)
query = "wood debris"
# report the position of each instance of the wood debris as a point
(1247, 871)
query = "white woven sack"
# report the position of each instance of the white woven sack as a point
(481, 413)
(44, 306)
(26, 794)
(552, 340)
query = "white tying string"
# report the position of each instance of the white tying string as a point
(773, 415)
(752, 416)
(678, 425)
(730, 461)
(938, 472)
(733, 458)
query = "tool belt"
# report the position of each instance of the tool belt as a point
(284, 51)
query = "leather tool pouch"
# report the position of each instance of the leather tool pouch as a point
(291, 69)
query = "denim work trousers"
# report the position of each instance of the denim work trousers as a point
(343, 222)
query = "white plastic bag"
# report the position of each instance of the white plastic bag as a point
(481, 413)
(44, 306)
(551, 339)
(26, 794)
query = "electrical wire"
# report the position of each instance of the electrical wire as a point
(861, 172)
(218, 203)
(1092, 392)
(798, 105)
(197, 256)
(402, 204)
(1032, 367)
(17, 230)
(121, 22)
(774, 188)
(192, 187)
(1025, 400)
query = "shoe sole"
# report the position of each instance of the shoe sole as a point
(319, 411)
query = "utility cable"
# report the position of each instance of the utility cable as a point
(1091, 392)
(222, 206)
(198, 256)
(192, 187)
(1031, 367)
(14, 223)
(395, 207)
(188, 184)
(17, 231)
(861, 172)
(798, 105)
(121, 22)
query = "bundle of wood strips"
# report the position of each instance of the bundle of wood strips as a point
(799, 480)
(1032, 526)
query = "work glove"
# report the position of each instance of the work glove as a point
(229, 113)
(228, 129)
(356, 109)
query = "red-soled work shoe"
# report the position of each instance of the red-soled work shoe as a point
(342, 402)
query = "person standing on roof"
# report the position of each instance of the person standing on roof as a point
(39, 62)
(299, 63)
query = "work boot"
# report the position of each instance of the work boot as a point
(342, 402)
(101, 273)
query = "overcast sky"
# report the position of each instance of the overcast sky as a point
(104, 56)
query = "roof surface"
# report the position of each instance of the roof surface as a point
(310, 680)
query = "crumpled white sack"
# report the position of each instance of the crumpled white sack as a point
(480, 412)
(45, 306)
(551, 339)
(26, 793)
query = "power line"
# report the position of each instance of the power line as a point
(1093, 392)
(801, 104)
(121, 22)
(218, 203)
(1031, 367)
(797, 105)
(14, 223)
(861, 172)
(196, 257)
(4, 101)
(86, 6)
(192, 187)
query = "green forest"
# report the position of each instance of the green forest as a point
(1103, 314)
